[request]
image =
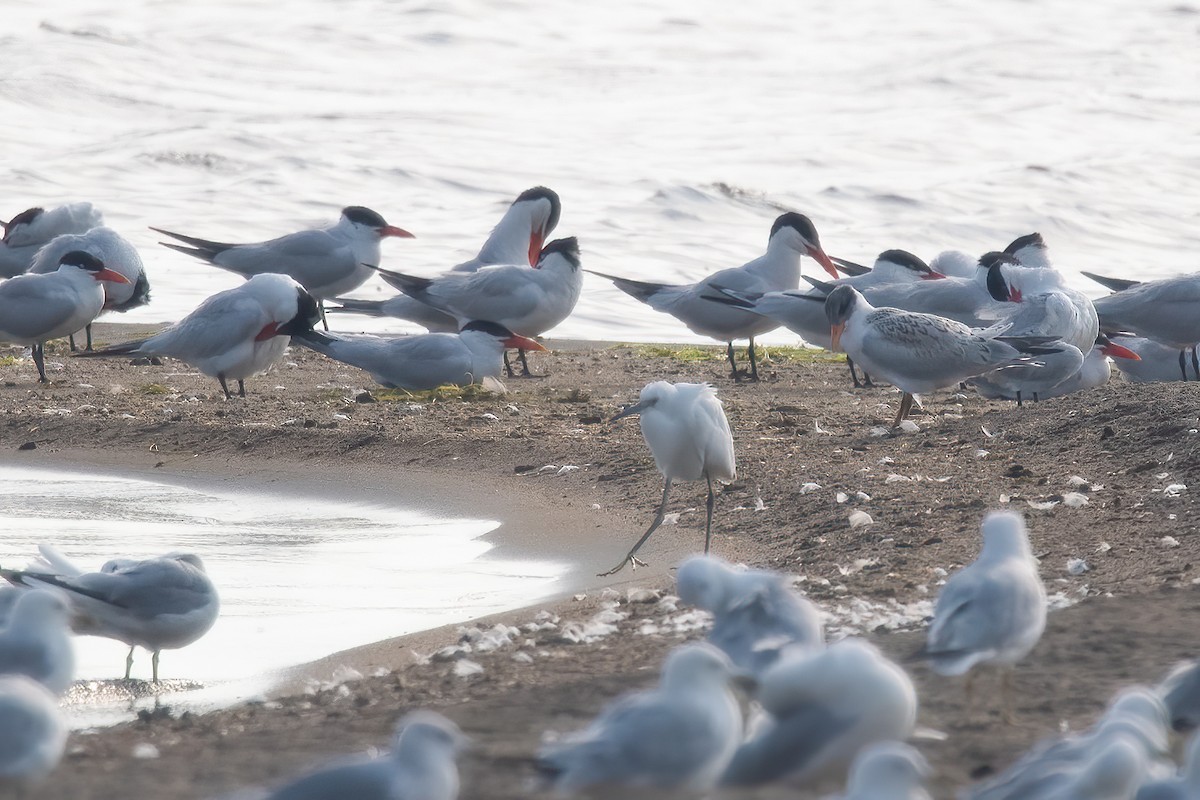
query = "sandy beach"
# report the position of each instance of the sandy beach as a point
(1088, 472)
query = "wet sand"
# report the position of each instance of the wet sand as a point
(303, 428)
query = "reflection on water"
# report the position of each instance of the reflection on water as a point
(299, 577)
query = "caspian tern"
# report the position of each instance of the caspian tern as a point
(426, 361)
(1060, 369)
(792, 235)
(915, 352)
(157, 603)
(37, 308)
(793, 308)
(1163, 310)
(1156, 362)
(29, 231)
(327, 262)
(233, 334)
(517, 239)
(1041, 304)
(527, 301)
(117, 253)
(1030, 250)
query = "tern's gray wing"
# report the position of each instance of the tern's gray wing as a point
(512, 290)
(307, 256)
(788, 746)
(363, 780)
(33, 304)
(219, 324)
(148, 588)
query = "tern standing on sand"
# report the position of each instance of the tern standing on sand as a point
(688, 434)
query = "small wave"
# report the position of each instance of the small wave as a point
(98, 32)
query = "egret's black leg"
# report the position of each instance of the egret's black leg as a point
(629, 557)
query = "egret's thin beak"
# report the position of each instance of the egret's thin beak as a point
(392, 230)
(627, 411)
(835, 337)
(824, 260)
(523, 343)
(110, 276)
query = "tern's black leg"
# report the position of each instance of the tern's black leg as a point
(88, 330)
(508, 367)
(224, 387)
(732, 363)
(866, 383)
(71, 341)
(629, 557)
(39, 358)
(154, 665)
(853, 373)
(129, 662)
(1183, 363)
(525, 373)
(712, 501)
(1019, 402)
(321, 308)
(1036, 399)
(905, 407)
(241, 388)
(1195, 363)
(753, 367)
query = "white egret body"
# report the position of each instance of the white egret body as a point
(689, 437)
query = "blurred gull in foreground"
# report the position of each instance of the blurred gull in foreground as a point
(991, 612)
(888, 771)
(32, 732)
(420, 766)
(755, 613)
(36, 642)
(679, 735)
(822, 709)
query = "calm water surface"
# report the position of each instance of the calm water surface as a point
(675, 131)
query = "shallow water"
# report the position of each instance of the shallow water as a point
(674, 131)
(299, 577)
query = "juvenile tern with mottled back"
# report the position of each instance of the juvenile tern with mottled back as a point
(159, 604)
(915, 352)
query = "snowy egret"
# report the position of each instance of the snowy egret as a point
(688, 434)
